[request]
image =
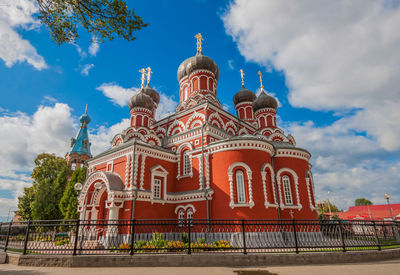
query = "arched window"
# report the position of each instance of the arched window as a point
(73, 166)
(241, 197)
(185, 94)
(190, 216)
(186, 163)
(157, 189)
(181, 217)
(286, 190)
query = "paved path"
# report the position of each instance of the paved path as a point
(376, 268)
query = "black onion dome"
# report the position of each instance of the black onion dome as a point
(197, 62)
(264, 101)
(152, 93)
(243, 95)
(141, 100)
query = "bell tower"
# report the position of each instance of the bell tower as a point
(80, 146)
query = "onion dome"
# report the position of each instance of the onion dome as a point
(141, 99)
(264, 101)
(197, 62)
(152, 93)
(84, 119)
(243, 95)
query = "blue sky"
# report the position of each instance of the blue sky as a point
(335, 74)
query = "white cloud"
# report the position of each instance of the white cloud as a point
(94, 47)
(230, 64)
(86, 68)
(116, 93)
(25, 136)
(102, 136)
(121, 96)
(335, 55)
(13, 48)
(342, 56)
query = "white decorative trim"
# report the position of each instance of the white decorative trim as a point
(110, 163)
(217, 117)
(207, 170)
(163, 174)
(184, 208)
(194, 117)
(176, 123)
(293, 153)
(264, 183)
(179, 155)
(232, 203)
(310, 194)
(230, 124)
(142, 171)
(135, 171)
(298, 206)
(243, 131)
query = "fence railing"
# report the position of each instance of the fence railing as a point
(195, 236)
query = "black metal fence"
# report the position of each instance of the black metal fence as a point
(195, 236)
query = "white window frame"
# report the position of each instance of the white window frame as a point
(181, 217)
(157, 189)
(187, 167)
(248, 185)
(240, 189)
(189, 216)
(160, 172)
(287, 191)
(294, 182)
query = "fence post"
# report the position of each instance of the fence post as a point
(295, 236)
(8, 237)
(244, 238)
(189, 239)
(376, 236)
(132, 235)
(342, 236)
(26, 237)
(76, 237)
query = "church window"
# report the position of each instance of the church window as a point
(181, 217)
(186, 163)
(157, 189)
(190, 216)
(185, 94)
(73, 166)
(287, 191)
(241, 198)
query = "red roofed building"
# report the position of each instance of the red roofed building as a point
(202, 161)
(371, 212)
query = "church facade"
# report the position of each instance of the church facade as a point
(201, 162)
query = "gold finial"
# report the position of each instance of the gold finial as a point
(143, 72)
(199, 39)
(242, 76)
(149, 72)
(261, 84)
(85, 109)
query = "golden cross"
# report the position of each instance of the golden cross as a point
(199, 39)
(242, 76)
(261, 77)
(149, 72)
(143, 72)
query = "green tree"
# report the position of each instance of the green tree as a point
(323, 207)
(40, 202)
(104, 19)
(25, 203)
(69, 201)
(362, 201)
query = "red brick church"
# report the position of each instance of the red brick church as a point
(201, 162)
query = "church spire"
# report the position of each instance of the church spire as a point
(80, 146)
